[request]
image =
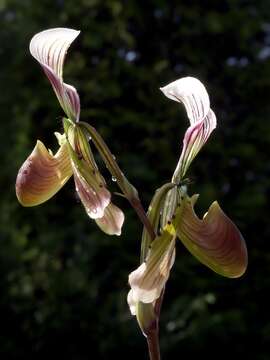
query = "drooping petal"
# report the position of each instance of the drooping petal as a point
(148, 280)
(194, 139)
(215, 240)
(192, 93)
(92, 191)
(112, 220)
(49, 48)
(42, 174)
(89, 183)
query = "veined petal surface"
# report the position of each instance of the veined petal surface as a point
(215, 240)
(192, 94)
(92, 191)
(42, 174)
(49, 48)
(195, 137)
(112, 220)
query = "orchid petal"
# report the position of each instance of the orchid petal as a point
(49, 48)
(192, 93)
(42, 175)
(112, 220)
(91, 190)
(148, 280)
(215, 240)
(195, 137)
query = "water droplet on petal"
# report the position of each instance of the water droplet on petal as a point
(114, 178)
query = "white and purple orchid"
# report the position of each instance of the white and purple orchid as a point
(44, 173)
(214, 240)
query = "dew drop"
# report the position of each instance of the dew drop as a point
(114, 178)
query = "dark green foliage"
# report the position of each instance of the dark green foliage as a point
(63, 283)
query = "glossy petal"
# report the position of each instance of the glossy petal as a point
(148, 280)
(49, 48)
(92, 191)
(192, 93)
(195, 137)
(90, 185)
(215, 240)
(42, 175)
(112, 220)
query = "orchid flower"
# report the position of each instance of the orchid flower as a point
(44, 173)
(214, 240)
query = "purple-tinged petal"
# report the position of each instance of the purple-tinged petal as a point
(192, 93)
(149, 279)
(112, 220)
(49, 48)
(42, 175)
(92, 191)
(194, 139)
(215, 240)
(90, 185)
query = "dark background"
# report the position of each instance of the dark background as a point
(63, 283)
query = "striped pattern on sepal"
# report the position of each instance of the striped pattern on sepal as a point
(49, 48)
